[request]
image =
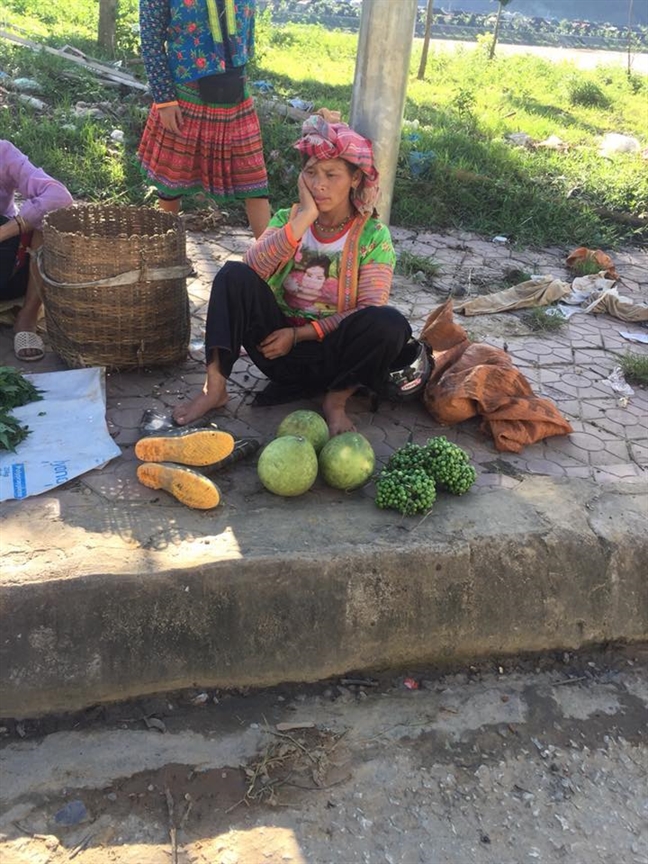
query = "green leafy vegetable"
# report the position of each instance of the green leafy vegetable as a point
(15, 390)
(11, 432)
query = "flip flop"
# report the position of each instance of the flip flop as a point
(25, 341)
(189, 487)
(187, 446)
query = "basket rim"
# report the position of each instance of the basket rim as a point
(160, 231)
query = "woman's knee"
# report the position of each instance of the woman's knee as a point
(386, 323)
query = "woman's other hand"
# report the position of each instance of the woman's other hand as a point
(171, 118)
(278, 343)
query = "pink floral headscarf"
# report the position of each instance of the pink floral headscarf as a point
(323, 140)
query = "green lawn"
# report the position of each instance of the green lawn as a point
(455, 166)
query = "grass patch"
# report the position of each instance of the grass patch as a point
(408, 264)
(455, 167)
(540, 320)
(585, 267)
(635, 368)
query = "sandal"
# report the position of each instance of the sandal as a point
(28, 346)
(187, 446)
(186, 485)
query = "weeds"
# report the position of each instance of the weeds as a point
(542, 320)
(585, 267)
(586, 93)
(635, 368)
(409, 264)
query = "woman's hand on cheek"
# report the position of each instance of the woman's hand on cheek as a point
(306, 200)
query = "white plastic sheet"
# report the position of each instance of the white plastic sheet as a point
(68, 434)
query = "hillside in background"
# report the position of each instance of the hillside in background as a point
(607, 11)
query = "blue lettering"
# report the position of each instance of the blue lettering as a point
(18, 478)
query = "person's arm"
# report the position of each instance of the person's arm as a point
(277, 245)
(41, 193)
(154, 18)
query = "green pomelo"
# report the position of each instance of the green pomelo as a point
(305, 424)
(347, 461)
(288, 466)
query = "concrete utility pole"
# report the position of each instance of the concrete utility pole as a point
(380, 83)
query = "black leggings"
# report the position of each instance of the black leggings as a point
(243, 311)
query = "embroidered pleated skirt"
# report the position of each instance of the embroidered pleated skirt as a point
(220, 151)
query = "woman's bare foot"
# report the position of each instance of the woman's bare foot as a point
(334, 408)
(199, 406)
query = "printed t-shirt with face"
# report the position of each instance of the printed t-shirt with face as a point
(311, 287)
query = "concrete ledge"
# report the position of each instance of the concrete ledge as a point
(552, 565)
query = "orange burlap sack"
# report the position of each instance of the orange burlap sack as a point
(471, 379)
(603, 261)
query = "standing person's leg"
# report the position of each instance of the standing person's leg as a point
(242, 311)
(360, 352)
(170, 205)
(258, 214)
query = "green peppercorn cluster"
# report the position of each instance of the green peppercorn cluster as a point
(410, 492)
(413, 473)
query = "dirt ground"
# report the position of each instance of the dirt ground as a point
(535, 760)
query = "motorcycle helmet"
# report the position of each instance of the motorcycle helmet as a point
(410, 372)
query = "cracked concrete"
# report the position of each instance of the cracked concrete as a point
(545, 551)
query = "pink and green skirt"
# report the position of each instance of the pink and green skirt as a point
(220, 151)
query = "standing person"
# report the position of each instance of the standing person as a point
(202, 132)
(20, 235)
(294, 335)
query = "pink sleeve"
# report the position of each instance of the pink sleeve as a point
(274, 247)
(40, 193)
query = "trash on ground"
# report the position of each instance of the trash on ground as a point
(617, 382)
(155, 723)
(635, 337)
(533, 292)
(519, 139)
(117, 135)
(96, 110)
(263, 86)
(614, 142)
(411, 684)
(32, 101)
(301, 104)
(474, 379)
(200, 699)
(500, 239)
(419, 163)
(553, 142)
(73, 813)
(26, 85)
(557, 312)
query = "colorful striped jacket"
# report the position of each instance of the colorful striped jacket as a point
(182, 41)
(366, 271)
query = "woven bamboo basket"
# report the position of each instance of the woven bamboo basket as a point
(114, 286)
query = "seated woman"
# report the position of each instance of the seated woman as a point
(334, 333)
(19, 234)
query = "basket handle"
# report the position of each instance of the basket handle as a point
(144, 274)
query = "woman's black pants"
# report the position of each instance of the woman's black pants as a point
(243, 311)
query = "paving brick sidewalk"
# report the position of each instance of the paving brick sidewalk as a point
(610, 439)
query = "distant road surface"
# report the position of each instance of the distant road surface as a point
(581, 57)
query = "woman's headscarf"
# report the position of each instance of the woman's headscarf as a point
(323, 140)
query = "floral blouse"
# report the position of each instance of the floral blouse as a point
(182, 40)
